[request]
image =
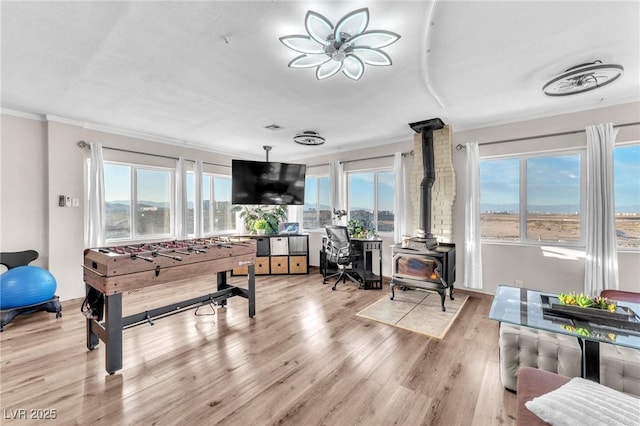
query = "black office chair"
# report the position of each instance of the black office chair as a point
(338, 250)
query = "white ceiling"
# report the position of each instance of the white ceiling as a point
(164, 69)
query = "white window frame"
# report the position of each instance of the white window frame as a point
(625, 144)
(523, 194)
(375, 195)
(317, 179)
(212, 209)
(134, 201)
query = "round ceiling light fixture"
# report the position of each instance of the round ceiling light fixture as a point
(583, 78)
(308, 137)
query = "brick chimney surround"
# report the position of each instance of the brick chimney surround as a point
(444, 187)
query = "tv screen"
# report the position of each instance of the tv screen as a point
(259, 182)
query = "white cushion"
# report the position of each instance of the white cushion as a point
(583, 402)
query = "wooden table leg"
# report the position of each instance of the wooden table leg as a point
(590, 360)
(252, 290)
(113, 333)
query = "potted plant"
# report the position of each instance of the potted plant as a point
(260, 226)
(272, 215)
(359, 228)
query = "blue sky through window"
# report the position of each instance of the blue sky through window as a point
(555, 181)
(626, 177)
(362, 192)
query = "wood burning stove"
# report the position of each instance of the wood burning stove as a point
(428, 269)
(423, 262)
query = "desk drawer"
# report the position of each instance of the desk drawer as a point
(371, 245)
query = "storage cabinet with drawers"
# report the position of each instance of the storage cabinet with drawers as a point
(279, 254)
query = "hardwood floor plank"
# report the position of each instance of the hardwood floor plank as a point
(305, 358)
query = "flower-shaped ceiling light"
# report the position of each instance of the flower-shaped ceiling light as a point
(347, 47)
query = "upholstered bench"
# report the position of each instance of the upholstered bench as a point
(524, 346)
(533, 383)
(620, 366)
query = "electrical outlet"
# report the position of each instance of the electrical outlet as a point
(519, 283)
(75, 202)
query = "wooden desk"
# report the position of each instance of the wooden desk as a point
(363, 266)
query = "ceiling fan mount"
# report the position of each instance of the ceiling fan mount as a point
(309, 137)
(583, 78)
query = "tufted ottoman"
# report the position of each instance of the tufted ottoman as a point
(528, 347)
(620, 366)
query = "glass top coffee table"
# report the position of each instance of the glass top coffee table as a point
(532, 308)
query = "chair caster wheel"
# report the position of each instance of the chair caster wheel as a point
(333, 288)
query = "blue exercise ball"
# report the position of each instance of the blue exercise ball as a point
(24, 286)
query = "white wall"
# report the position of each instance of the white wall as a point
(24, 187)
(539, 268)
(40, 160)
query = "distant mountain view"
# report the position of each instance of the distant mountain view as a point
(548, 209)
(124, 204)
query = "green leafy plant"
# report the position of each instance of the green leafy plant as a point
(271, 215)
(585, 301)
(358, 227)
(261, 225)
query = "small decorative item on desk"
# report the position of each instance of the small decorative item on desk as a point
(359, 227)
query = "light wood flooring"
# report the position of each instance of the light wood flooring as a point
(304, 359)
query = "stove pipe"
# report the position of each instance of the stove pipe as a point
(426, 128)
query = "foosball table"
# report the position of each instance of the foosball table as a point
(111, 271)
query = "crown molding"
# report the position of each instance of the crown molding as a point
(103, 128)
(134, 134)
(65, 120)
(22, 114)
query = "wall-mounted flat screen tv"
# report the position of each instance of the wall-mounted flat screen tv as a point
(268, 183)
